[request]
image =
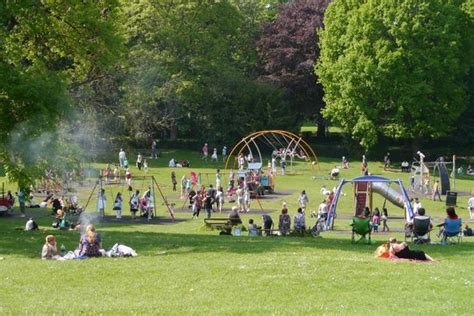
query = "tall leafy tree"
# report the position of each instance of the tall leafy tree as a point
(191, 67)
(396, 68)
(289, 48)
(46, 47)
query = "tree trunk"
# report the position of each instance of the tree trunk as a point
(321, 132)
(173, 132)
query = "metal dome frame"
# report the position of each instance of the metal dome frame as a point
(293, 142)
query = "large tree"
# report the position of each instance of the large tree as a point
(46, 48)
(289, 48)
(396, 68)
(191, 66)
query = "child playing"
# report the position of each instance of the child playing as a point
(384, 219)
(128, 179)
(118, 205)
(116, 174)
(196, 202)
(375, 222)
(173, 180)
(145, 166)
(107, 173)
(50, 250)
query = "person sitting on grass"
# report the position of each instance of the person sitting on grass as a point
(50, 250)
(284, 223)
(31, 225)
(253, 229)
(402, 251)
(90, 243)
(300, 225)
(467, 231)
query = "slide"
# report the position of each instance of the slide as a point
(444, 176)
(389, 193)
(397, 198)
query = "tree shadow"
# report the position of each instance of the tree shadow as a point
(28, 244)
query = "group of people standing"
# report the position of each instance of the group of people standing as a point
(214, 155)
(145, 204)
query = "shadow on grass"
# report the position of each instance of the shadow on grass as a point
(28, 244)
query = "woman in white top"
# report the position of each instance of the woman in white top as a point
(101, 202)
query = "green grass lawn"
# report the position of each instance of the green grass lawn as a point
(183, 269)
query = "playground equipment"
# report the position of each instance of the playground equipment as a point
(121, 186)
(285, 145)
(364, 187)
(421, 174)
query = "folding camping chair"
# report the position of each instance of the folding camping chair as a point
(420, 232)
(452, 232)
(361, 227)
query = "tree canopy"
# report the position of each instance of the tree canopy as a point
(45, 47)
(395, 68)
(192, 67)
(289, 48)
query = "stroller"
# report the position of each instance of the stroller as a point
(320, 224)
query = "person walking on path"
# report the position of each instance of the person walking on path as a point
(436, 192)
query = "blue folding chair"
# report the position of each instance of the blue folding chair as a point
(452, 231)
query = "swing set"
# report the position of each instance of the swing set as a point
(147, 182)
(198, 184)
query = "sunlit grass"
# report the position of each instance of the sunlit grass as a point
(183, 269)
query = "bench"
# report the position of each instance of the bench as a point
(220, 222)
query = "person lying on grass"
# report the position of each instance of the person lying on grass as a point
(402, 251)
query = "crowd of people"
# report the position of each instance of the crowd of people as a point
(213, 199)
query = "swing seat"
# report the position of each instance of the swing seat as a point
(361, 227)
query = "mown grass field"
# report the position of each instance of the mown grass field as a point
(183, 269)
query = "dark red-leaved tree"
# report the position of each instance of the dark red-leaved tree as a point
(288, 50)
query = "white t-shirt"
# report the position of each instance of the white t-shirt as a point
(29, 225)
(470, 203)
(101, 202)
(416, 207)
(303, 200)
(323, 208)
(335, 171)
